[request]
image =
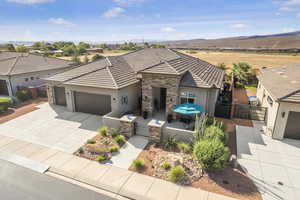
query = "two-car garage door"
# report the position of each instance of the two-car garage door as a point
(92, 103)
(292, 129)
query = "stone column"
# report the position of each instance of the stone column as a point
(155, 130)
(127, 125)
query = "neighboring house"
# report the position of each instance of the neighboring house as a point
(279, 91)
(94, 50)
(23, 69)
(151, 79)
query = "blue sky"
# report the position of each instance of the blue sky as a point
(119, 20)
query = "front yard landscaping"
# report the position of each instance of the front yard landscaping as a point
(103, 146)
(203, 163)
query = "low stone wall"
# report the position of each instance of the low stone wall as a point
(178, 134)
(110, 121)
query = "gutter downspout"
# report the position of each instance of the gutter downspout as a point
(9, 80)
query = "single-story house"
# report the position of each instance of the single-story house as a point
(279, 91)
(94, 50)
(153, 80)
(24, 69)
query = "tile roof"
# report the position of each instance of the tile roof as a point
(123, 70)
(19, 63)
(282, 82)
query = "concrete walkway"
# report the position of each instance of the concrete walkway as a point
(119, 181)
(129, 151)
(273, 165)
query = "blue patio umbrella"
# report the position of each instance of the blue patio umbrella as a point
(188, 109)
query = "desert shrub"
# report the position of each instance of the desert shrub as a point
(113, 132)
(94, 148)
(138, 164)
(176, 174)
(114, 148)
(91, 141)
(120, 139)
(166, 165)
(80, 150)
(213, 132)
(5, 103)
(184, 147)
(211, 154)
(96, 57)
(103, 130)
(23, 95)
(101, 158)
(170, 143)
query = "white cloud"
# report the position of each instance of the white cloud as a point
(114, 12)
(168, 29)
(238, 26)
(287, 30)
(128, 2)
(30, 1)
(292, 3)
(298, 15)
(286, 9)
(60, 21)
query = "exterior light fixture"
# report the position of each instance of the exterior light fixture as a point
(283, 114)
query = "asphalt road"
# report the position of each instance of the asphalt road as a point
(18, 183)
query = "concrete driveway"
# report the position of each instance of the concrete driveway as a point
(273, 165)
(53, 126)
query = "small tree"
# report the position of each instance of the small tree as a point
(10, 47)
(211, 154)
(86, 59)
(221, 66)
(22, 49)
(76, 60)
(241, 73)
(96, 57)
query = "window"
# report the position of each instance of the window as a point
(32, 78)
(26, 79)
(187, 97)
(270, 101)
(124, 100)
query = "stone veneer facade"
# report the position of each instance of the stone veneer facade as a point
(170, 82)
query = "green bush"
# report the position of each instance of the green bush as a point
(114, 132)
(103, 130)
(184, 147)
(166, 165)
(213, 132)
(91, 141)
(5, 103)
(23, 95)
(170, 143)
(176, 174)
(211, 154)
(80, 150)
(114, 148)
(138, 164)
(120, 139)
(101, 158)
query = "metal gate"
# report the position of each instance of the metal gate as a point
(245, 111)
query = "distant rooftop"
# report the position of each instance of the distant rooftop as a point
(12, 63)
(282, 82)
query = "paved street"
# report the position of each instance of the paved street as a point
(53, 126)
(21, 183)
(273, 165)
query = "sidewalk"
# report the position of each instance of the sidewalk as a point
(121, 182)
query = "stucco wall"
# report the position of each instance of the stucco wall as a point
(262, 95)
(281, 121)
(204, 97)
